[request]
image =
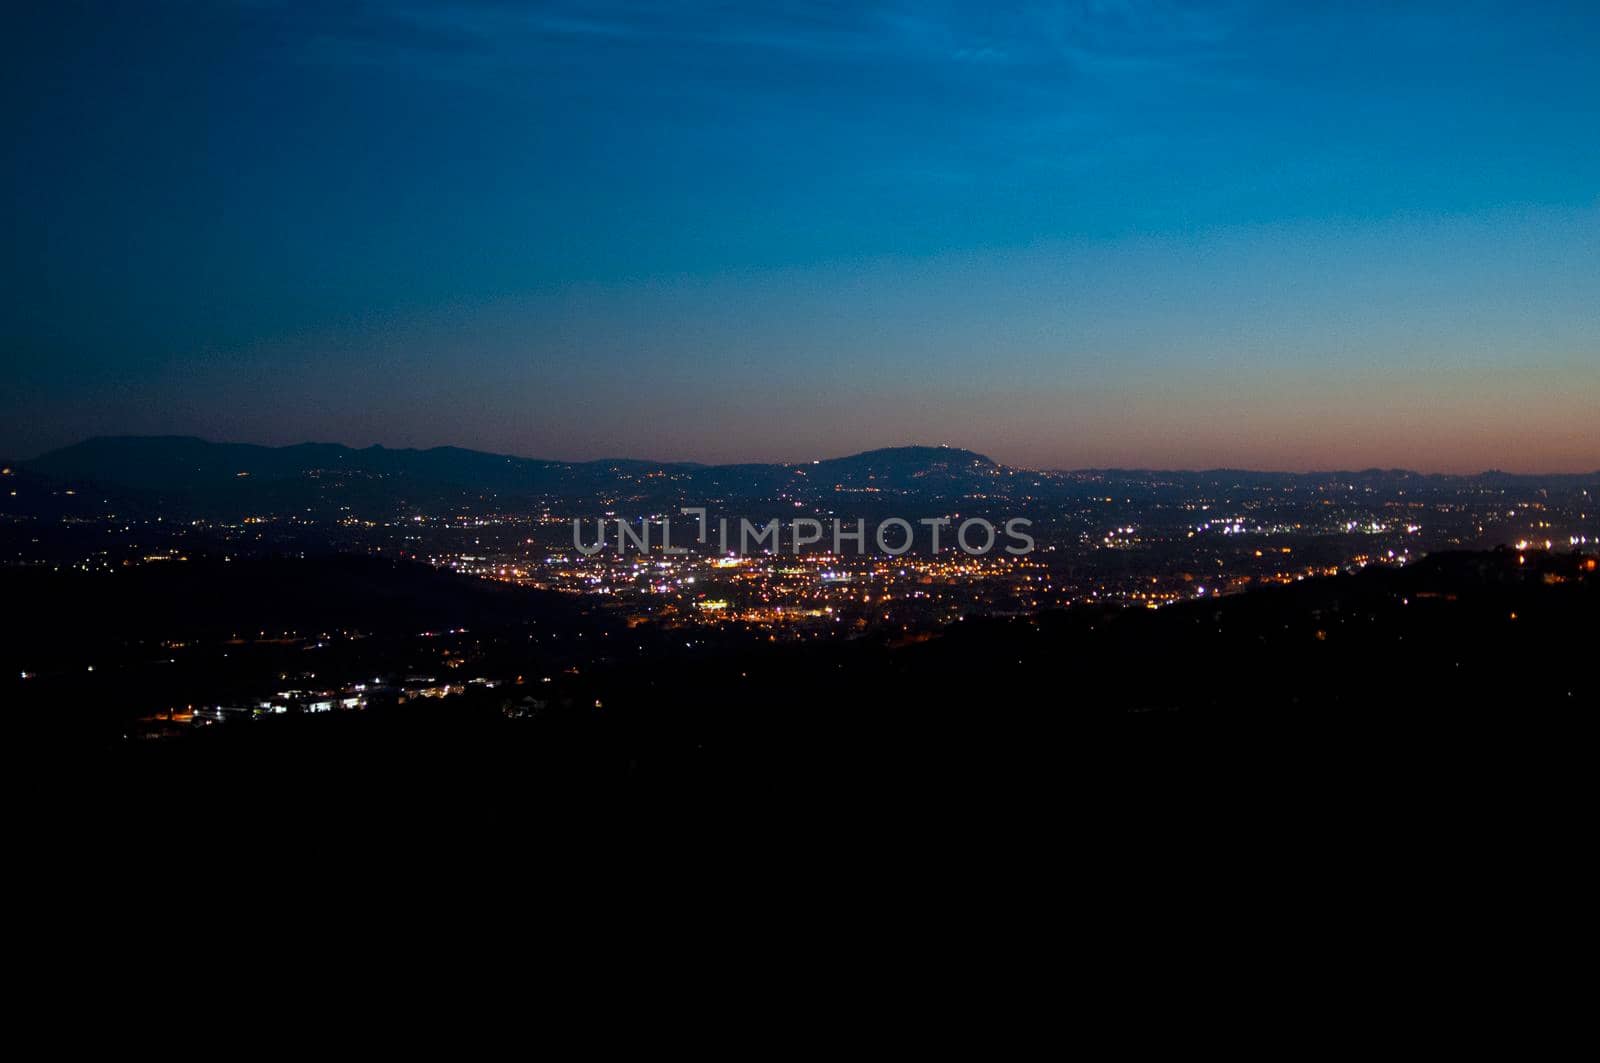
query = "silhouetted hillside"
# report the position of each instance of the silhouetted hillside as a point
(213, 598)
(1459, 649)
(184, 474)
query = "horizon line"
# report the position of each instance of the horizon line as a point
(810, 461)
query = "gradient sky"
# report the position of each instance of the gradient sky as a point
(1141, 234)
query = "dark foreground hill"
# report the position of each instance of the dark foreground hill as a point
(87, 654)
(1454, 659)
(216, 598)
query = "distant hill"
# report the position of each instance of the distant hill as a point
(899, 465)
(178, 463)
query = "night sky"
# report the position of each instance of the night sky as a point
(1139, 234)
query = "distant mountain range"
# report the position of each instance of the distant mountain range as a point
(189, 473)
(202, 476)
(164, 463)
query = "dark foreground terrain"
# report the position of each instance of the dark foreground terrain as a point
(1475, 662)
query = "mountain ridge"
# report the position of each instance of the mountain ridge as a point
(193, 475)
(54, 462)
(100, 440)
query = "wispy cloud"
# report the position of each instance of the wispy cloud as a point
(1035, 88)
(1095, 36)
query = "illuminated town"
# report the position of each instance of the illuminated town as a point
(1145, 541)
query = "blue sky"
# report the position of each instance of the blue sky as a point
(1273, 235)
